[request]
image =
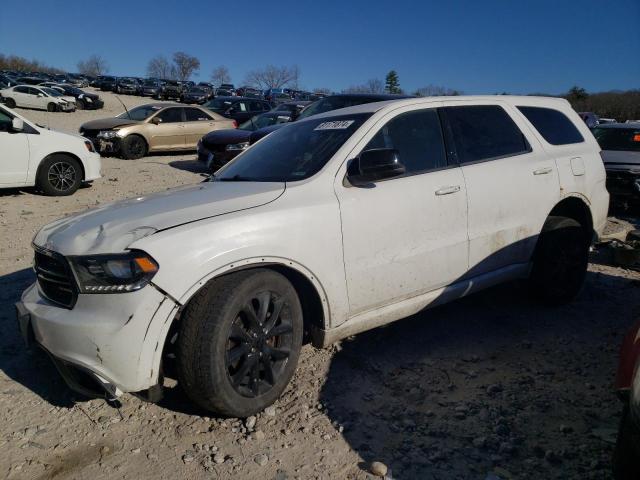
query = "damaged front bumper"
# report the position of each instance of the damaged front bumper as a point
(624, 183)
(107, 344)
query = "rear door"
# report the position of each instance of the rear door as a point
(512, 184)
(197, 124)
(22, 97)
(169, 134)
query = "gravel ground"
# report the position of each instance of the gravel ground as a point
(490, 385)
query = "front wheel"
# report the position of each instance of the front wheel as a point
(133, 147)
(52, 107)
(59, 175)
(560, 261)
(625, 455)
(79, 105)
(239, 342)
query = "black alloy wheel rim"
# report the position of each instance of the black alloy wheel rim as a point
(62, 176)
(137, 146)
(259, 344)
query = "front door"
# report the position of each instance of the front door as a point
(169, 133)
(14, 161)
(406, 235)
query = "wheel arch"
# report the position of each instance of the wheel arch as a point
(66, 154)
(315, 306)
(577, 208)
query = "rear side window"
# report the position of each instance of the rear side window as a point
(196, 115)
(484, 132)
(553, 125)
(620, 139)
(418, 138)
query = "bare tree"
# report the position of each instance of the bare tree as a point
(94, 65)
(273, 77)
(220, 75)
(13, 62)
(372, 85)
(160, 67)
(435, 91)
(186, 65)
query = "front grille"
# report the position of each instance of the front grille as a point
(55, 279)
(620, 182)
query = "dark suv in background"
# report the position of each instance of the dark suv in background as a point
(152, 88)
(239, 109)
(128, 85)
(106, 83)
(172, 89)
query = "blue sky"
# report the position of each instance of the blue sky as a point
(486, 46)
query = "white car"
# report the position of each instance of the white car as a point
(330, 226)
(41, 98)
(57, 163)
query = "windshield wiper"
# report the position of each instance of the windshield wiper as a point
(235, 178)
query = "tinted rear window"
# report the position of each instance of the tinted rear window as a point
(621, 139)
(554, 126)
(483, 132)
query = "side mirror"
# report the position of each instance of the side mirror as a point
(156, 120)
(375, 164)
(40, 95)
(17, 125)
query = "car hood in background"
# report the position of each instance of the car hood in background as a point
(112, 227)
(225, 137)
(107, 123)
(621, 160)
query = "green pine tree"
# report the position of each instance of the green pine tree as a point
(392, 84)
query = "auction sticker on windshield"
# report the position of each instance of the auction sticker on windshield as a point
(337, 125)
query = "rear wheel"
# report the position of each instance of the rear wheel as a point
(10, 102)
(59, 175)
(560, 261)
(133, 147)
(625, 455)
(239, 342)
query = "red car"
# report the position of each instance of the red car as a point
(626, 457)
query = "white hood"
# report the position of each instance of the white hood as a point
(112, 227)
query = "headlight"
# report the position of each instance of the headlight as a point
(108, 134)
(89, 145)
(237, 146)
(88, 100)
(117, 273)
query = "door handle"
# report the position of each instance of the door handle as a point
(543, 171)
(448, 190)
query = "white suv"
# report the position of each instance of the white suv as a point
(57, 163)
(330, 226)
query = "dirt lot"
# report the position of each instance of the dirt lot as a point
(491, 385)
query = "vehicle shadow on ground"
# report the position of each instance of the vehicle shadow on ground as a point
(30, 368)
(453, 392)
(192, 166)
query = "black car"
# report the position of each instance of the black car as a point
(29, 80)
(220, 146)
(172, 89)
(152, 88)
(249, 92)
(239, 109)
(128, 85)
(293, 108)
(620, 144)
(327, 104)
(84, 100)
(106, 83)
(8, 81)
(197, 95)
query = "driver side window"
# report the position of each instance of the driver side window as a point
(5, 122)
(417, 137)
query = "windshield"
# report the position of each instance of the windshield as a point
(295, 152)
(197, 90)
(140, 113)
(51, 92)
(333, 103)
(218, 105)
(621, 139)
(72, 90)
(150, 83)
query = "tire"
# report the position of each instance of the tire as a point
(625, 455)
(133, 147)
(560, 261)
(10, 103)
(59, 175)
(227, 361)
(79, 105)
(52, 107)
